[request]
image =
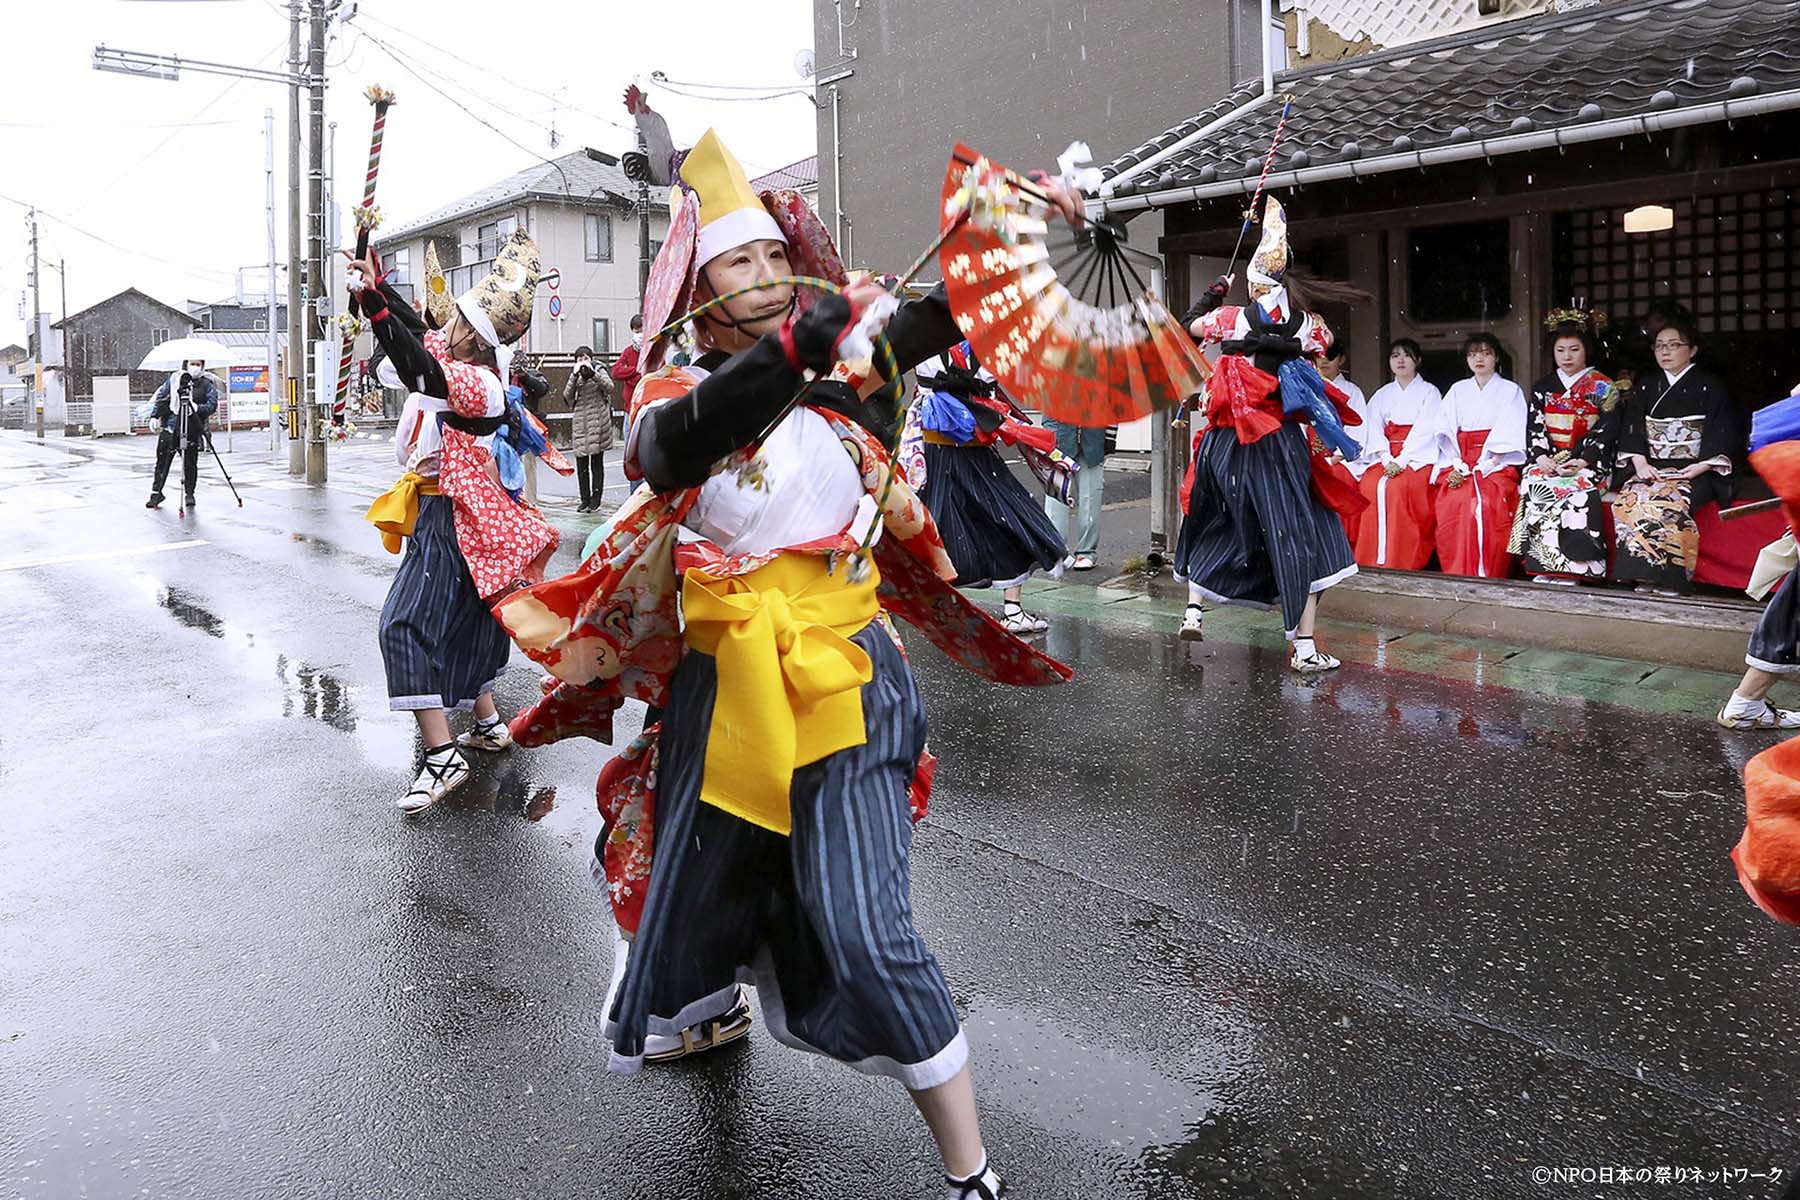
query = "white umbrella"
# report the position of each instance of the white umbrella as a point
(172, 354)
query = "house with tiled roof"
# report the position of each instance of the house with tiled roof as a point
(1479, 178)
(801, 176)
(1475, 173)
(581, 210)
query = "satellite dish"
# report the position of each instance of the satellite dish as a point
(803, 64)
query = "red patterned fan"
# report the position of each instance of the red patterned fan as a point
(1061, 316)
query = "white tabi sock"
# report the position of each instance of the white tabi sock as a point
(1737, 706)
(1304, 647)
(487, 723)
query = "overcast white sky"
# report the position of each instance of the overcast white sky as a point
(171, 173)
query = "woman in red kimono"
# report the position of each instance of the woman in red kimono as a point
(1480, 448)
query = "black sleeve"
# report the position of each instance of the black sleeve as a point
(1211, 298)
(679, 441)
(922, 329)
(161, 410)
(402, 308)
(403, 342)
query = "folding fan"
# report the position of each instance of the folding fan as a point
(1059, 315)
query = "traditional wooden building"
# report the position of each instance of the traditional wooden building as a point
(1477, 179)
(112, 337)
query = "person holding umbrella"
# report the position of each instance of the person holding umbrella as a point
(183, 403)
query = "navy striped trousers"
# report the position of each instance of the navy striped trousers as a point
(439, 642)
(1255, 533)
(820, 921)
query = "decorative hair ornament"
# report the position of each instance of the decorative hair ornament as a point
(1591, 321)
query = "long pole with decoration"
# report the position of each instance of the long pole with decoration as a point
(367, 218)
(1287, 107)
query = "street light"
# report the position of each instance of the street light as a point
(147, 65)
(168, 66)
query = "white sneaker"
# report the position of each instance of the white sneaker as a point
(435, 781)
(1021, 622)
(493, 737)
(985, 1184)
(1313, 663)
(1190, 625)
(1082, 562)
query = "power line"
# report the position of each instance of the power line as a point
(109, 243)
(470, 113)
(487, 70)
(105, 190)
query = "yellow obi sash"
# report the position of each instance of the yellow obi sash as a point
(937, 439)
(396, 510)
(790, 678)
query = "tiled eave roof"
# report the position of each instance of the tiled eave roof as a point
(1616, 68)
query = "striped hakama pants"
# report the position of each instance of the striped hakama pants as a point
(819, 921)
(1255, 532)
(440, 644)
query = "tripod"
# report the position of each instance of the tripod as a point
(184, 421)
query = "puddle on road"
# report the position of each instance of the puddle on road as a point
(1059, 1079)
(303, 690)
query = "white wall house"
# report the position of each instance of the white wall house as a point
(581, 211)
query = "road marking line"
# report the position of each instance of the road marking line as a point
(19, 564)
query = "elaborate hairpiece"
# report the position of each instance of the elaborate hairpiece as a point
(506, 296)
(1268, 266)
(1590, 321)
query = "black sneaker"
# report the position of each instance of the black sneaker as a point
(153, 502)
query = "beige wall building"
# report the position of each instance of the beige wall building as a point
(582, 212)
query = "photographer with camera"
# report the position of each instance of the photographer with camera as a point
(589, 394)
(183, 403)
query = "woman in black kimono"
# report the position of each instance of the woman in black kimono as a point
(1571, 434)
(1681, 440)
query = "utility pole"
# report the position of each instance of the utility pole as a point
(315, 258)
(294, 382)
(274, 340)
(37, 332)
(643, 205)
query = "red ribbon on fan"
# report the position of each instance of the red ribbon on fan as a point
(1076, 362)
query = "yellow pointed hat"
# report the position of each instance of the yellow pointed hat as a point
(437, 289)
(730, 211)
(1268, 266)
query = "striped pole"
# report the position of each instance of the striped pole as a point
(1268, 161)
(367, 217)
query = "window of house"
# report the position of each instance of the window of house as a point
(106, 350)
(490, 237)
(655, 249)
(1459, 273)
(400, 266)
(599, 238)
(602, 343)
(158, 336)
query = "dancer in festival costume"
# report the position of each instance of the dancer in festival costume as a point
(469, 536)
(1768, 855)
(1571, 433)
(780, 778)
(1400, 527)
(994, 531)
(1774, 651)
(1263, 525)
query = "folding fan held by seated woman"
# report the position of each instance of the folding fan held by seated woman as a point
(1068, 325)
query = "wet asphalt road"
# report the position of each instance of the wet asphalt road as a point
(1215, 932)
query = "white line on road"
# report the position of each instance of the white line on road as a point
(19, 564)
